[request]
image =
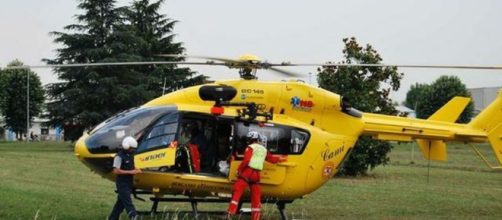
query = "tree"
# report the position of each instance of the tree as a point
(415, 93)
(104, 33)
(155, 35)
(440, 92)
(2, 129)
(13, 97)
(1, 91)
(368, 89)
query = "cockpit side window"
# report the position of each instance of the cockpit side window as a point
(278, 139)
(161, 134)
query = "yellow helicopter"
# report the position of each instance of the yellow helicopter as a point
(315, 128)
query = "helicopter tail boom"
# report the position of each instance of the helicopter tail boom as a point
(431, 134)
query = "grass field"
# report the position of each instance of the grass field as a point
(46, 181)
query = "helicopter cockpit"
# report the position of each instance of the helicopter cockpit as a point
(107, 136)
(217, 139)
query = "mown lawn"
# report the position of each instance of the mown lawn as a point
(46, 181)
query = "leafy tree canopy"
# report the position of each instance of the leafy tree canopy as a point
(13, 101)
(415, 93)
(368, 89)
(105, 33)
(439, 93)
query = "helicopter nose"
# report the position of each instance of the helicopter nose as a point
(80, 149)
(101, 164)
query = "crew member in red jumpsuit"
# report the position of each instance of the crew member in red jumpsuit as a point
(249, 174)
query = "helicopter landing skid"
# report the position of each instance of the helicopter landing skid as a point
(281, 205)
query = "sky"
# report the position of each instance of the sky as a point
(456, 32)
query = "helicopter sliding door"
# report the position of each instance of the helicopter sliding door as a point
(279, 139)
(210, 137)
(157, 147)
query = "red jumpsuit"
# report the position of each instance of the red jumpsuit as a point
(251, 177)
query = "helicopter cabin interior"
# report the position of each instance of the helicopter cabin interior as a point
(206, 144)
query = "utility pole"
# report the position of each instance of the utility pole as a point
(164, 86)
(27, 105)
(310, 78)
(413, 146)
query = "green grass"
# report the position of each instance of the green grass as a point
(46, 181)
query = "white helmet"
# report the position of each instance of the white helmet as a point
(253, 135)
(129, 142)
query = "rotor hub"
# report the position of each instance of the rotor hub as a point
(248, 73)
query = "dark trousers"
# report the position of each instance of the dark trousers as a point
(123, 202)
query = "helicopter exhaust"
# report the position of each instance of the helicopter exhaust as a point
(348, 109)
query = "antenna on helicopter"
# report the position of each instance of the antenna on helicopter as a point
(429, 162)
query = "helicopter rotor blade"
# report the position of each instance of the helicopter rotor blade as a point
(394, 65)
(111, 64)
(281, 71)
(242, 63)
(201, 57)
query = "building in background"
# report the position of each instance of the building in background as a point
(44, 132)
(482, 97)
(410, 113)
(38, 130)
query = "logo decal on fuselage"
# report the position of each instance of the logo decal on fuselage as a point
(328, 169)
(301, 105)
(252, 94)
(328, 155)
(153, 157)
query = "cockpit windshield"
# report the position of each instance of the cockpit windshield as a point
(107, 137)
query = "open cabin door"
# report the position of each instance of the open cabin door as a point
(157, 146)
